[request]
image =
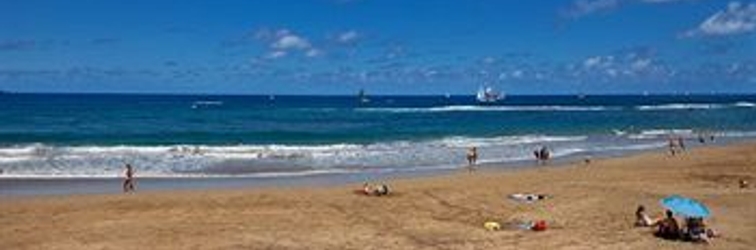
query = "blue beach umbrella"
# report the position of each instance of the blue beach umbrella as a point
(685, 206)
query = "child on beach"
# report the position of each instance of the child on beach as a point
(128, 182)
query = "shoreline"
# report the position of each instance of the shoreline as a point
(591, 206)
(63, 185)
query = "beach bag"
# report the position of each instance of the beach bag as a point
(539, 226)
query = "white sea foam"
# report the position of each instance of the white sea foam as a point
(633, 147)
(737, 134)
(660, 133)
(38, 160)
(745, 104)
(677, 106)
(472, 108)
(692, 106)
(463, 142)
(179, 175)
(556, 108)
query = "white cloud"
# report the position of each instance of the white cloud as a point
(313, 53)
(284, 42)
(290, 41)
(736, 19)
(661, 1)
(598, 62)
(276, 54)
(348, 37)
(591, 62)
(517, 73)
(641, 64)
(581, 8)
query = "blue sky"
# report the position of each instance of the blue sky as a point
(383, 46)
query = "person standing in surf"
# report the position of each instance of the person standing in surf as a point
(672, 145)
(128, 181)
(542, 155)
(472, 158)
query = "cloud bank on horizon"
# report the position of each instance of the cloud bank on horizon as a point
(387, 47)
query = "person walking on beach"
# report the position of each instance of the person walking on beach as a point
(128, 181)
(672, 144)
(472, 157)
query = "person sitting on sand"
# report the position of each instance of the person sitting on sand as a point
(472, 157)
(128, 181)
(642, 219)
(695, 230)
(668, 228)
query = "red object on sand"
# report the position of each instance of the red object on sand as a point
(539, 226)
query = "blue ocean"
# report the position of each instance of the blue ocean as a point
(94, 135)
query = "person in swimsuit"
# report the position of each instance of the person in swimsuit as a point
(128, 181)
(472, 157)
(668, 228)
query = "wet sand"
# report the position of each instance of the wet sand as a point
(591, 207)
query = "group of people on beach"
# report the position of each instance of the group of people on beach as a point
(676, 143)
(542, 155)
(667, 227)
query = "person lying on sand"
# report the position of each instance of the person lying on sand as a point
(642, 219)
(527, 197)
(382, 190)
(668, 228)
(377, 190)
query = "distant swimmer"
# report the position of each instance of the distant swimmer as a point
(472, 157)
(128, 181)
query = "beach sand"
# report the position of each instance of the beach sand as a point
(592, 207)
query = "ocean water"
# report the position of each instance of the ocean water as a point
(94, 135)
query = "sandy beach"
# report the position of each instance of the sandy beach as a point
(591, 207)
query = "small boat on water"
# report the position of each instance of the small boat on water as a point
(488, 95)
(362, 98)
